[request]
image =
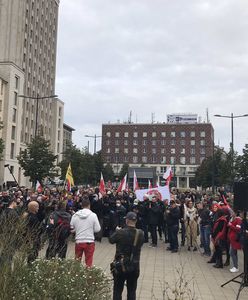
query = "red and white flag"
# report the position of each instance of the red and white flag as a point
(102, 189)
(123, 184)
(157, 183)
(38, 187)
(168, 175)
(149, 184)
(135, 182)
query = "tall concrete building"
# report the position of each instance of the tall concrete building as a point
(28, 39)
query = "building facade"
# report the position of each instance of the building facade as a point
(181, 146)
(28, 38)
(67, 138)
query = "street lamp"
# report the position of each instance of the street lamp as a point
(94, 137)
(232, 139)
(37, 98)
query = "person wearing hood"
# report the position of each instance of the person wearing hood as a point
(85, 224)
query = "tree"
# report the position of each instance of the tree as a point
(37, 160)
(124, 170)
(242, 165)
(108, 173)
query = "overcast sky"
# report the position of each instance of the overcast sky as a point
(153, 56)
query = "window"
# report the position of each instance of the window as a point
(192, 133)
(12, 150)
(135, 142)
(202, 134)
(182, 151)
(153, 142)
(202, 151)
(163, 160)
(173, 142)
(154, 134)
(135, 134)
(182, 142)
(192, 160)
(108, 150)
(154, 151)
(182, 160)
(135, 150)
(144, 142)
(173, 150)
(163, 150)
(125, 158)
(162, 169)
(107, 142)
(172, 160)
(125, 142)
(117, 134)
(163, 142)
(125, 134)
(144, 134)
(182, 134)
(15, 98)
(202, 142)
(135, 159)
(163, 134)
(154, 159)
(144, 150)
(144, 159)
(116, 142)
(14, 115)
(192, 142)
(60, 111)
(108, 134)
(192, 151)
(16, 82)
(117, 150)
(202, 159)
(1, 105)
(126, 150)
(173, 134)
(13, 132)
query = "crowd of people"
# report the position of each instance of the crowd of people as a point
(197, 221)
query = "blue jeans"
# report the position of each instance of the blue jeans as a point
(205, 237)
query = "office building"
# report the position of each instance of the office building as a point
(28, 38)
(181, 146)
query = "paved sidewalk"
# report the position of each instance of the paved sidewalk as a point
(159, 266)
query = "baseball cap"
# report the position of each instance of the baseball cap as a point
(131, 216)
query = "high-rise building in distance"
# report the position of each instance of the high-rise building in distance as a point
(28, 39)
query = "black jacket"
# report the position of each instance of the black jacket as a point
(124, 239)
(173, 216)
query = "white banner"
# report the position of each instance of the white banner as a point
(162, 192)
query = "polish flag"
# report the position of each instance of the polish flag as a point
(168, 175)
(122, 185)
(102, 189)
(157, 183)
(38, 187)
(149, 184)
(135, 182)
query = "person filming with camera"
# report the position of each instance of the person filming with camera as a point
(126, 264)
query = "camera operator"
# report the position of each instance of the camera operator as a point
(124, 240)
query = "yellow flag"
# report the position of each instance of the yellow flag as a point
(69, 178)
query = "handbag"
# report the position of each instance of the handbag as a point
(124, 264)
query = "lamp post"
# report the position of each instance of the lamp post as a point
(232, 138)
(37, 98)
(94, 137)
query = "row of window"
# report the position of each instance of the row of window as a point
(155, 134)
(154, 150)
(154, 159)
(155, 142)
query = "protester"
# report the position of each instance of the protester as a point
(85, 223)
(173, 216)
(127, 250)
(190, 221)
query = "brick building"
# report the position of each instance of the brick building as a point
(181, 146)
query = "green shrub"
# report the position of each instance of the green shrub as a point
(60, 279)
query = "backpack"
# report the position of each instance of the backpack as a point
(62, 229)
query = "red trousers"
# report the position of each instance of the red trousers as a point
(88, 250)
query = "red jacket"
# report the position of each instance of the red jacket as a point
(232, 232)
(219, 231)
